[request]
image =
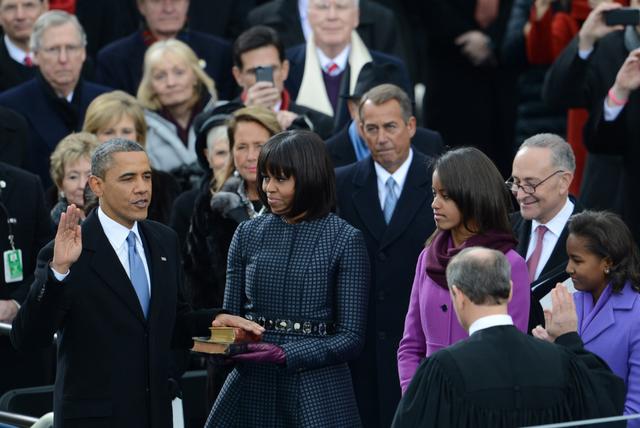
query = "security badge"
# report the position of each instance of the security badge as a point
(12, 265)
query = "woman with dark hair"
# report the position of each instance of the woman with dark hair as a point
(302, 273)
(604, 265)
(470, 208)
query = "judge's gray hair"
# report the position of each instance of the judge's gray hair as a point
(481, 274)
(102, 157)
(54, 18)
(561, 152)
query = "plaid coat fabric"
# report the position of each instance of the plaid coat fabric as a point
(311, 271)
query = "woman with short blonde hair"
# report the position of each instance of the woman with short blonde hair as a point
(70, 170)
(107, 111)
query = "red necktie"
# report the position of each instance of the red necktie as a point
(532, 263)
(486, 12)
(332, 69)
(27, 61)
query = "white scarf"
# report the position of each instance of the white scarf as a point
(313, 93)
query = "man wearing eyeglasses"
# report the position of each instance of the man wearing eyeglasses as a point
(54, 102)
(542, 172)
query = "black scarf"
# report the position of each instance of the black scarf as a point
(69, 112)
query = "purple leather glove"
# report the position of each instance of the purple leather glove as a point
(261, 353)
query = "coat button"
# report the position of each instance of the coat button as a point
(380, 295)
(382, 335)
(382, 257)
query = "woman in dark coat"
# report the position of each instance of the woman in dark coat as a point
(302, 273)
(219, 209)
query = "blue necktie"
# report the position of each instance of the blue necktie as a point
(138, 274)
(390, 200)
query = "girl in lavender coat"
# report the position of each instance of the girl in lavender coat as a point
(470, 207)
(604, 265)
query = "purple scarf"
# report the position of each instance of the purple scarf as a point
(439, 252)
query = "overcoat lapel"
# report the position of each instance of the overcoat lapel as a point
(366, 201)
(415, 194)
(107, 266)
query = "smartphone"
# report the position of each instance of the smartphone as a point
(264, 74)
(622, 16)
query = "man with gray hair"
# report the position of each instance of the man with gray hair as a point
(498, 376)
(54, 102)
(112, 290)
(387, 195)
(542, 172)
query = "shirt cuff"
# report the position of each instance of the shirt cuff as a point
(585, 54)
(611, 113)
(59, 276)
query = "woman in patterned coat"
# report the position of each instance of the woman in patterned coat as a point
(302, 273)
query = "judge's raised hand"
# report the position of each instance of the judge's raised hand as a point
(68, 241)
(228, 320)
(562, 317)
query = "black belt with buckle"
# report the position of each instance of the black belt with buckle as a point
(316, 328)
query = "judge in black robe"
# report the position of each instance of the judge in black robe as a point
(500, 377)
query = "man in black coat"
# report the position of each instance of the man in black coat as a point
(581, 77)
(497, 375)
(326, 67)
(377, 25)
(395, 217)
(616, 130)
(54, 102)
(260, 47)
(120, 64)
(112, 290)
(13, 138)
(17, 18)
(542, 172)
(23, 217)
(348, 145)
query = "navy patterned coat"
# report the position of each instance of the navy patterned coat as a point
(311, 271)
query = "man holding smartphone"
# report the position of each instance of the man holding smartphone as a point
(584, 75)
(260, 69)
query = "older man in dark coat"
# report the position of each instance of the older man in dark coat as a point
(395, 224)
(54, 102)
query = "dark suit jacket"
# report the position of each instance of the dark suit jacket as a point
(340, 149)
(23, 199)
(13, 138)
(12, 73)
(393, 251)
(46, 126)
(222, 18)
(296, 56)
(377, 26)
(112, 362)
(120, 64)
(495, 378)
(552, 272)
(574, 82)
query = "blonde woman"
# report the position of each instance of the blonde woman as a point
(119, 115)
(70, 170)
(173, 90)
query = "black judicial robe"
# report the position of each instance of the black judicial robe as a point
(500, 377)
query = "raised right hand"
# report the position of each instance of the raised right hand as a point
(68, 240)
(594, 27)
(628, 78)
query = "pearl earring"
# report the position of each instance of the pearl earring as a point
(606, 271)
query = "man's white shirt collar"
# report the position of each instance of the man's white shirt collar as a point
(116, 233)
(399, 176)
(340, 60)
(557, 223)
(490, 321)
(17, 54)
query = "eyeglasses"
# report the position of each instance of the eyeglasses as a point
(55, 51)
(529, 189)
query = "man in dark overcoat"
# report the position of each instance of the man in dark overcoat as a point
(395, 223)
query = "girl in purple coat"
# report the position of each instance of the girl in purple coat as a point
(604, 265)
(470, 208)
